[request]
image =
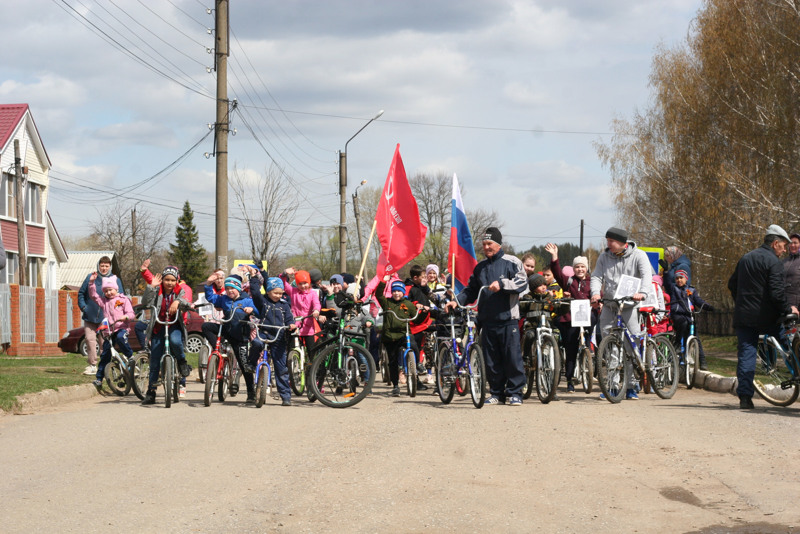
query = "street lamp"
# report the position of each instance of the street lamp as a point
(358, 223)
(342, 198)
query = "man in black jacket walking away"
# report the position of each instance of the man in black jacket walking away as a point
(757, 288)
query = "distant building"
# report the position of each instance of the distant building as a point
(44, 248)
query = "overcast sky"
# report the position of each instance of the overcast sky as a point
(510, 95)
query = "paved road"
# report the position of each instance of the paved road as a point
(692, 464)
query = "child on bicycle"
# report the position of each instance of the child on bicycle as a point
(684, 299)
(394, 331)
(168, 298)
(305, 301)
(237, 331)
(118, 311)
(274, 310)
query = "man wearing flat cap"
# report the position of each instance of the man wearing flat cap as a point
(622, 257)
(757, 286)
(498, 317)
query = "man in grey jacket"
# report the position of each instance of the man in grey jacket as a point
(622, 257)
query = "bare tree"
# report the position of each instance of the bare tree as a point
(133, 233)
(268, 209)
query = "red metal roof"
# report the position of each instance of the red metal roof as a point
(10, 115)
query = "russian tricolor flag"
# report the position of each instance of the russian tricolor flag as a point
(461, 257)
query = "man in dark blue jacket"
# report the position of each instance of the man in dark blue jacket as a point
(757, 288)
(498, 316)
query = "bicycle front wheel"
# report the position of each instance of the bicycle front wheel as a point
(211, 378)
(167, 372)
(664, 369)
(117, 378)
(586, 362)
(261, 385)
(529, 362)
(445, 374)
(329, 374)
(772, 370)
(411, 372)
(692, 360)
(385, 374)
(612, 373)
(548, 371)
(297, 377)
(477, 376)
(141, 374)
(225, 379)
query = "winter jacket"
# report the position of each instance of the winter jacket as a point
(758, 288)
(503, 306)
(610, 267)
(685, 299)
(92, 312)
(680, 264)
(393, 329)
(154, 296)
(577, 289)
(419, 294)
(791, 267)
(303, 303)
(113, 308)
(226, 304)
(271, 312)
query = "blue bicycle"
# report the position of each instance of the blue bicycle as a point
(621, 353)
(263, 374)
(409, 363)
(457, 359)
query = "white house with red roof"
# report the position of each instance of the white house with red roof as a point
(44, 249)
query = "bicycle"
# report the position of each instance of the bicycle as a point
(263, 372)
(689, 353)
(119, 371)
(777, 376)
(544, 366)
(409, 369)
(296, 362)
(454, 362)
(343, 370)
(585, 367)
(647, 355)
(223, 370)
(170, 379)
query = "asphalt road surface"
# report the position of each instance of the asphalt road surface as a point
(695, 463)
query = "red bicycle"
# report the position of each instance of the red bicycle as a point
(222, 372)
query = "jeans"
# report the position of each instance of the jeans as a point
(140, 329)
(120, 341)
(748, 352)
(157, 351)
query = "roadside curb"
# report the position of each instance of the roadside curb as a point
(716, 383)
(31, 402)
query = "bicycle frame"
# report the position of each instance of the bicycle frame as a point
(167, 358)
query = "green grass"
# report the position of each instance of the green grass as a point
(719, 343)
(716, 347)
(22, 375)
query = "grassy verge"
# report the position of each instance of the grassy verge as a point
(719, 351)
(21, 375)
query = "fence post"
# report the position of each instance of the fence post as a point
(15, 320)
(41, 321)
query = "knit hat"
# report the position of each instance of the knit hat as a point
(774, 229)
(235, 282)
(337, 279)
(316, 275)
(536, 280)
(397, 285)
(348, 278)
(432, 267)
(109, 281)
(681, 272)
(581, 260)
(273, 282)
(170, 270)
(617, 234)
(658, 280)
(301, 277)
(493, 234)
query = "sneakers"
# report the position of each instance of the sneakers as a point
(184, 368)
(395, 392)
(746, 403)
(495, 400)
(631, 395)
(234, 389)
(98, 384)
(515, 401)
(613, 392)
(703, 367)
(251, 398)
(149, 397)
(182, 392)
(90, 370)
(570, 387)
(421, 386)
(286, 402)
(421, 371)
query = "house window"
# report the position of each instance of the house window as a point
(33, 203)
(7, 196)
(33, 272)
(8, 275)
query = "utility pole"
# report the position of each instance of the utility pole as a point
(22, 241)
(581, 253)
(221, 134)
(342, 211)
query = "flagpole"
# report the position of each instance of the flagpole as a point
(364, 259)
(453, 275)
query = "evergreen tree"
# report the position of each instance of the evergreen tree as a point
(187, 253)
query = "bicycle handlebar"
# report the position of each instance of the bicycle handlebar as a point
(272, 327)
(400, 318)
(167, 322)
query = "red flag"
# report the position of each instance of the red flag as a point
(399, 229)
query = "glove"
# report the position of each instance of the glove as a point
(663, 263)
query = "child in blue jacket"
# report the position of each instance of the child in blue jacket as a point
(684, 299)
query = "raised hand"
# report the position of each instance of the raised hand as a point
(553, 250)
(156, 279)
